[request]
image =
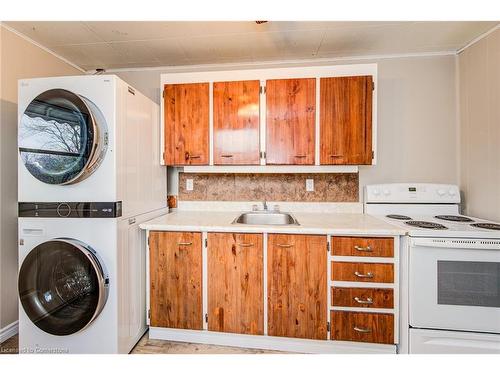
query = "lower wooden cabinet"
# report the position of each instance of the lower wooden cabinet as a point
(374, 298)
(235, 283)
(363, 327)
(297, 286)
(175, 280)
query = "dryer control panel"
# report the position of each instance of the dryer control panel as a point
(71, 209)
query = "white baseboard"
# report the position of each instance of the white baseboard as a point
(269, 343)
(7, 332)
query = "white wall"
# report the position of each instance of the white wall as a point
(479, 83)
(19, 59)
(417, 124)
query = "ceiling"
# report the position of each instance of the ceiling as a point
(112, 45)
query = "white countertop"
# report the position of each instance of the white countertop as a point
(310, 223)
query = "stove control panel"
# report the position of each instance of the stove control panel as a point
(412, 193)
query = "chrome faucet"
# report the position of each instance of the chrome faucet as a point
(264, 203)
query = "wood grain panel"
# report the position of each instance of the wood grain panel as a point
(362, 327)
(363, 297)
(290, 121)
(236, 123)
(175, 280)
(186, 113)
(297, 286)
(235, 283)
(363, 246)
(346, 271)
(346, 120)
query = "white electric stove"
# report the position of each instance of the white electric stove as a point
(450, 269)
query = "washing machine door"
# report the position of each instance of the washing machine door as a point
(63, 137)
(63, 286)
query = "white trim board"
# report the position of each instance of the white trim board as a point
(48, 50)
(269, 342)
(271, 168)
(477, 39)
(276, 63)
(7, 332)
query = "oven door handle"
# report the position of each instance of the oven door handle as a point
(450, 243)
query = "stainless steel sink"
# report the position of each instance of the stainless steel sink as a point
(266, 218)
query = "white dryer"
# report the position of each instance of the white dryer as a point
(89, 139)
(81, 283)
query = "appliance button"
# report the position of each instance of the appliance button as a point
(376, 192)
(441, 192)
(63, 210)
(387, 192)
(451, 192)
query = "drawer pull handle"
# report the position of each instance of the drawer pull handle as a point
(184, 243)
(367, 301)
(362, 330)
(363, 248)
(301, 156)
(368, 275)
(284, 245)
(245, 244)
(226, 156)
(194, 156)
(336, 156)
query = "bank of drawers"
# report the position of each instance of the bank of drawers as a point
(363, 326)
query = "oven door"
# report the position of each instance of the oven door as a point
(455, 284)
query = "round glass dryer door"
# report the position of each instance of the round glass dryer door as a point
(63, 286)
(62, 137)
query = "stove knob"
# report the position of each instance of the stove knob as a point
(452, 192)
(387, 192)
(441, 192)
(376, 192)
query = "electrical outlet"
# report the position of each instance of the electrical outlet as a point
(309, 184)
(189, 184)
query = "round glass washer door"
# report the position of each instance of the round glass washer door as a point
(63, 137)
(63, 286)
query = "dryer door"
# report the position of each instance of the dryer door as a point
(63, 286)
(62, 137)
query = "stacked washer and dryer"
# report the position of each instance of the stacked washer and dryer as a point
(89, 174)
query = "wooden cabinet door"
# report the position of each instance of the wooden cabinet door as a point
(236, 123)
(186, 124)
(175, 280)
(235, 283)
(346, 120)
(297, 286)
(290, 120)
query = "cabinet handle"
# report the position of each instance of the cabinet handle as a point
(362, 330)
(301, 156)
(245, 244)
(226, 156)
(184, 243)
(367, 301)
(336, 156)
(368, 275)
(194, 157)
(284, 245)
(367, 249)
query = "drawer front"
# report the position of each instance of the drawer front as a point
(363, 297)
(363, 272)
(363, 247)
(363, 327)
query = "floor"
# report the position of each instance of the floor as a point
(150, 346)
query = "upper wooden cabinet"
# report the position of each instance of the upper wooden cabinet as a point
(297, 286)
(235, 283)
(236, 122)
(346, 120)
(290, 121)
(186, 111)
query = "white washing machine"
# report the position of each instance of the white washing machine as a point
(89, 139)
(81, 284)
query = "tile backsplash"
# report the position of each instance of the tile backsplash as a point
(328, 187)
